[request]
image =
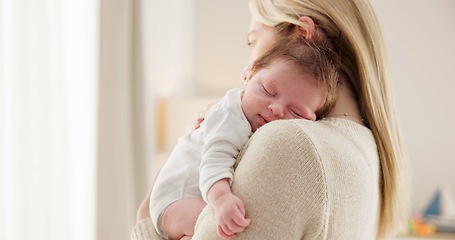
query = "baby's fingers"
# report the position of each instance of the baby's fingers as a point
(223, 233)
(234, 228)
(239, 217)
(241, 221)
(237, 224)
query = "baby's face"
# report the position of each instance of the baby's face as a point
(279, 91)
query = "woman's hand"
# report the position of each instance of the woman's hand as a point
(198, 122)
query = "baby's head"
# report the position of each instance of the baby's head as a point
(295, 79)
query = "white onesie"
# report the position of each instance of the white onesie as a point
(202, 157)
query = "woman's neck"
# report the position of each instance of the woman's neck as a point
(346, 107)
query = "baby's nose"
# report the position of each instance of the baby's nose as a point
(277, 110)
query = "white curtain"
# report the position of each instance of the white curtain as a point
(72, 134)
(48, 119)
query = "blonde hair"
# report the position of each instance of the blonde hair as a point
(364, 65)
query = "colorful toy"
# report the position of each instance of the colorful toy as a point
(417, 226)
(441, 210)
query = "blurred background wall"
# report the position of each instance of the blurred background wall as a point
(420, 36)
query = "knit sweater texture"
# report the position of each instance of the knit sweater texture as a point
(301, 179)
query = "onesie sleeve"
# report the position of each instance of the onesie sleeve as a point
(226, 132)
(281, 181)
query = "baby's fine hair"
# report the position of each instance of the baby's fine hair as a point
(316, 58)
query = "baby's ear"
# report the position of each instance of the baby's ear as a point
(309, 28)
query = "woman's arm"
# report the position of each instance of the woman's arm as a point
(281, 182)
(144, 229)
(143, 211)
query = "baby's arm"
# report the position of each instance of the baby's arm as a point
(229, 209)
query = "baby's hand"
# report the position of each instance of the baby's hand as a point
(230, 215)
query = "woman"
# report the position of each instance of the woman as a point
(341, 177)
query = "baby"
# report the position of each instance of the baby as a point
(292, 80)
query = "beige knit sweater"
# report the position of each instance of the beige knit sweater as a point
(302, 180)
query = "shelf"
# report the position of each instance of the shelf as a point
(439, 236)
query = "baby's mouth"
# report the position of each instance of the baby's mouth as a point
(263, 120)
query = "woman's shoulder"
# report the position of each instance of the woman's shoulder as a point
(316, 163)
(333, 131)
(317, 142)
(326, 148)
(280, 143)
